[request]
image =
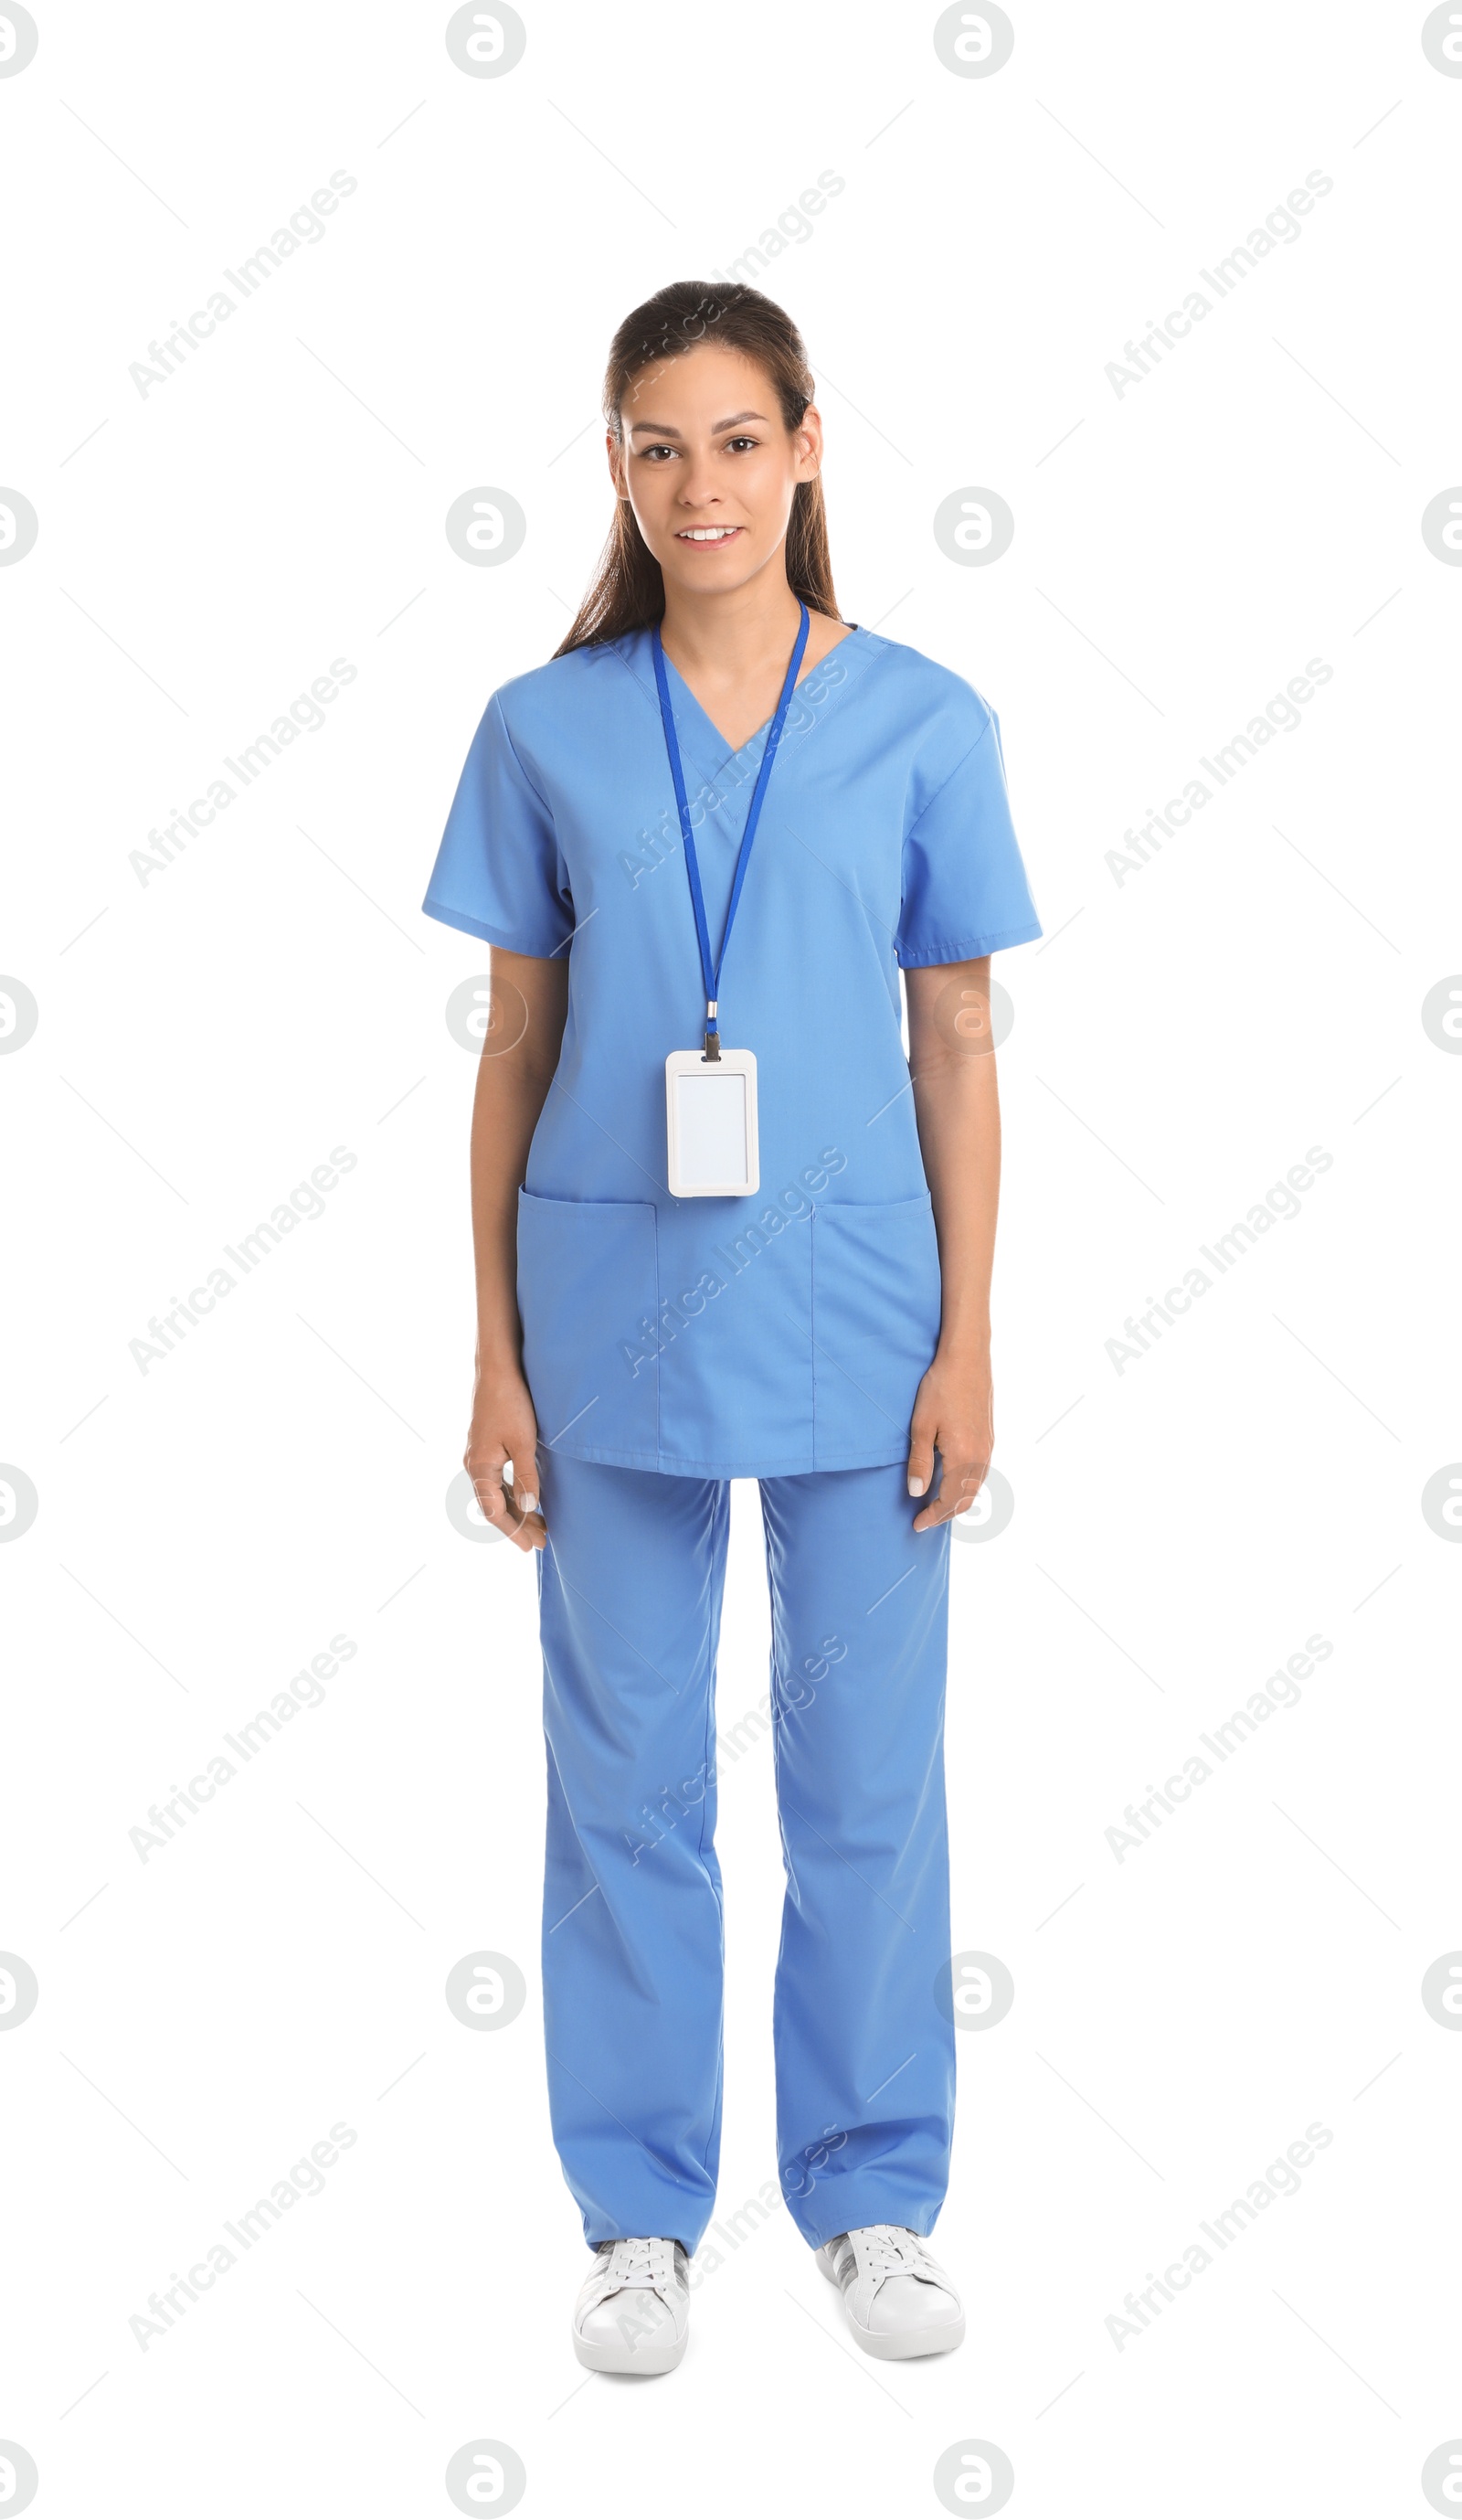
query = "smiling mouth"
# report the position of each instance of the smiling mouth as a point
(711, 534)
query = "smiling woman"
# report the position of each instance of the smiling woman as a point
(740, 340)
(840, 1370)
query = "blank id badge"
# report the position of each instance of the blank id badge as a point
(710, 1124)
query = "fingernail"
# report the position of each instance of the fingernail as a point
(916, 1487)
(530, 1505)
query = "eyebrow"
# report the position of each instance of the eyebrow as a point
(660, 429)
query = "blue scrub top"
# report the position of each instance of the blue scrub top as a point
(786, 1330)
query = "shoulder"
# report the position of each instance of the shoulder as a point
(551, 697)
(940, 717)
(934, 694)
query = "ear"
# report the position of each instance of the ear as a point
(614, 449)
(809, 444)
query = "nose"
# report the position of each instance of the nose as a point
(698, 488)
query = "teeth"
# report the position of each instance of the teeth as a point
(705, 533)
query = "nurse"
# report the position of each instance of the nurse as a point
(725, 1227)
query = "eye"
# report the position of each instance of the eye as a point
(652, 454)
(733, 443)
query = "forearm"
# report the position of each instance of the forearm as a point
(956, 1105)
(503, 1126)
(513, 1086)
(951, 1065)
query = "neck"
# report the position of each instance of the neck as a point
(732, 633)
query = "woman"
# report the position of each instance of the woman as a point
(775, 1264)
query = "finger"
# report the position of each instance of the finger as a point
(500, 1507)
(922, 1436)
(523, 1484)
(504, 1502)
(526, 1530)
(958, 1488)
(484, 1467)
(487, 1485)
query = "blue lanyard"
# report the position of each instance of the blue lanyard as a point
(711, 971)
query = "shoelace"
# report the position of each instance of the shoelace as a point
(884, 2249)
(636, 2265)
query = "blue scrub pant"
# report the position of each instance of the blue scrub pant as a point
(630, 1590)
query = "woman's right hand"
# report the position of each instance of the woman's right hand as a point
(504, 1428)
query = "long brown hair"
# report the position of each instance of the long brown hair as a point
(628, 592)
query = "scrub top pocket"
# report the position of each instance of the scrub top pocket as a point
(587, 1277)
(875, 1323)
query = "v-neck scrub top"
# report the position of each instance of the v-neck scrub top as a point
(785, 1330)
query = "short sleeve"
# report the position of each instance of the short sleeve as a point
(499, 872)
(965, 892)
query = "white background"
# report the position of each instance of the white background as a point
(1180, 1039)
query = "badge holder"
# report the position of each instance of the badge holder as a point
(710, 1124)
(710, 1093)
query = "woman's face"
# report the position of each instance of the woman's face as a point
(709, 466)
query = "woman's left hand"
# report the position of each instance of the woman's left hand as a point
(954, 1416)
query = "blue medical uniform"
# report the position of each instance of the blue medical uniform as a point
(779, 1337)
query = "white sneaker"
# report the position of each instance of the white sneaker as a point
(898, 2300)
(633, 2313)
